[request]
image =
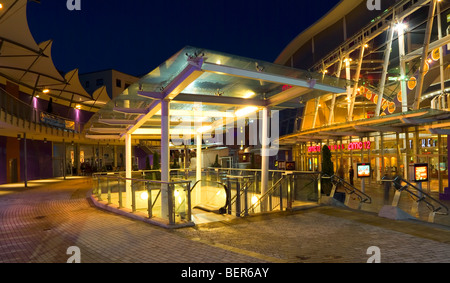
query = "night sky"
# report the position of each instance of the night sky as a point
(136, 36)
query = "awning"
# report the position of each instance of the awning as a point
(205, 88)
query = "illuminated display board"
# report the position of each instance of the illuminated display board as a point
(363, 170)
(421, 172)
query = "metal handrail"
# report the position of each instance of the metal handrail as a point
(138, 180)
(350, 189)
(423, 197)
(170, 184)
(266, 194)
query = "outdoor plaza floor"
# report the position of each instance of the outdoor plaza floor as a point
(41, 222)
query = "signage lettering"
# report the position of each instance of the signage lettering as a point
(351, 146)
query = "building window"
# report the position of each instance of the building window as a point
(99, 82)
(118, 83)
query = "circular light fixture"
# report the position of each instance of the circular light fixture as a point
(144, 196)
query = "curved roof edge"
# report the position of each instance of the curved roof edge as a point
(338, 12)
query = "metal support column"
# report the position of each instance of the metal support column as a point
(264, 155)
(386, 56)
(355, 87)
(25, 157)
(426, 46)
(333, 100)
(166, 195)
(401, 48)
(128, 168)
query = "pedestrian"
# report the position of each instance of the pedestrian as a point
(341, 172)
(351, 175)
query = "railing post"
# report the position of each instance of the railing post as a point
(289, 193)
(149, 200)
(238, 198)
(133, 197)
(99, 190)
(281, 196)
(246, 201)
(188, 196)
(170, 202)
(109, 190)
(319, 188)
(229, 198)
(120, 192)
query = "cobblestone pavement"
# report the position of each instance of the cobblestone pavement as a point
(39, 225)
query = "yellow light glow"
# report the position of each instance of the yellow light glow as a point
(249, 94)
(46, 90)
(254, 199)
(245, 111)
(78, 106)
(1, 6)
(204, 129)
(400, 27)
(144, 195)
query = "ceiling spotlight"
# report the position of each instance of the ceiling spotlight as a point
(45, 90)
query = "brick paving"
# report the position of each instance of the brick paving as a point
(39, 224)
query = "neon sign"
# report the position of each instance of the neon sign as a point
(351, 146)
(359, 145)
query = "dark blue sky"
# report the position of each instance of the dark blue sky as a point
(136, 36)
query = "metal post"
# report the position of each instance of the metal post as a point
(109, 190)
(229, 195)
(170, 202)
(189, 202)
(264, 155)
(441, 185)
(120, 193)
(333, 101)
(289, 192)
(165, 160)
(238, 198)
(441, 56)
(426, 46)
(25, 165)
(149, 200)
(246, 201)
(386, 56)
(133, 197)
(355, 87)
(99, 189)
(401, 47)
(64, 159)
(128, 167)
(317, 100)
(281, 196)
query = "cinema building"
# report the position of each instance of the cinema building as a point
(395, 111)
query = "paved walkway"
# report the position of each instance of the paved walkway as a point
(40, 223)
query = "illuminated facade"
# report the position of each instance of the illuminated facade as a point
(395, 109)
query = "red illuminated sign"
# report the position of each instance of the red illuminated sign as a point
(351, 146)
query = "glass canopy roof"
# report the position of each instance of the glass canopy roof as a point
(207, 84)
